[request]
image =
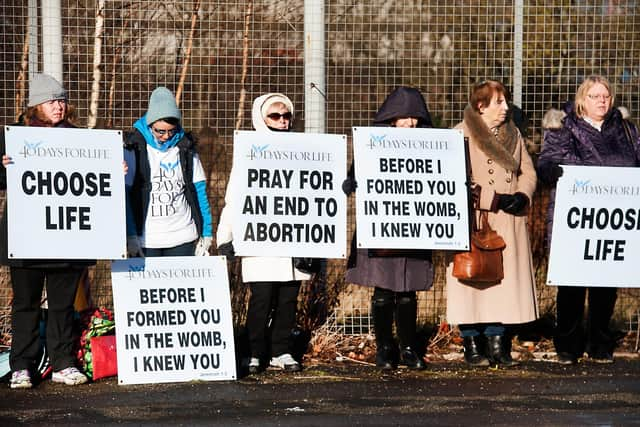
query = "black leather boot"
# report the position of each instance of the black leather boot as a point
(497, 353)
(406, 311)
(382, 313)
(385, 357)
(411, 359)
(472, 354)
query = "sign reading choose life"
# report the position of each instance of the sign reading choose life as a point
(412, 191)
(65, 193)
(596, 227)
(286, 194)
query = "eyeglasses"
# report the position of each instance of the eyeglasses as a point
(163, 132)
(277, 116)
(596, 97)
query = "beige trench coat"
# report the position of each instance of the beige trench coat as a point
(514, 299)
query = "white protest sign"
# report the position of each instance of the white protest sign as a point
(287, 198)
(65, 193)
(596, 227)
(173, 319)
(412, 191)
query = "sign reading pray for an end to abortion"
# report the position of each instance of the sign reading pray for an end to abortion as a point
(286, 196)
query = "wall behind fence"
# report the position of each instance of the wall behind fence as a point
(220, 55)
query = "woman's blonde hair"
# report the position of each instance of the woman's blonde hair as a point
(587, 84)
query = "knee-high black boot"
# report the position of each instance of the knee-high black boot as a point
(496, 351)
(473, 352)
(382, 313)
(406, 311)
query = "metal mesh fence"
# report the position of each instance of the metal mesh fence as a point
(220, 55)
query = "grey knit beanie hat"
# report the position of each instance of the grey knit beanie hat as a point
(43, 88)
(162, 104)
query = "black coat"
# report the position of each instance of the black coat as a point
(401, 103)
(396, 270)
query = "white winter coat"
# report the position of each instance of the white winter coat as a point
(258, 269)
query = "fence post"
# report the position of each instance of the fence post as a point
(52, 39)
(518, 12)
(32, 31)
(314, 67)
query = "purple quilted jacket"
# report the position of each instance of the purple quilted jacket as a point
(570, 140)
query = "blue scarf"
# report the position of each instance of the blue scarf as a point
(145, 130)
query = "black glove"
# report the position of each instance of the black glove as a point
(227, 250)
(349, 185)
(512, 203)
(556, 172)
(307, 265)
(475, 190)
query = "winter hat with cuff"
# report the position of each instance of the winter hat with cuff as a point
(273, 99)
(162, 105)
(43, 88)
(261, 105)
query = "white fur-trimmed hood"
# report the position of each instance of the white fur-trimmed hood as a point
(552, 119)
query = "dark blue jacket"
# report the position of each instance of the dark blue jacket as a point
(140, 191)
(576, 142)
(573, 141)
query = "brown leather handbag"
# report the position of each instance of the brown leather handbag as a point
(483, 263)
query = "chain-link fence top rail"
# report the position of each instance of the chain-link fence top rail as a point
(220, 55)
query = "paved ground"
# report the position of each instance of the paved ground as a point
(345, 394)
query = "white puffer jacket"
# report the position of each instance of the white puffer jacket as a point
(258, 269)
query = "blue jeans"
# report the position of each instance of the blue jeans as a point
(486, 329)
(185, 249)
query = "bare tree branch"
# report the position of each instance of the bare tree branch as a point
(187, 57)
(22, 76)
(245, 60)
(97, 60)
(114, 64)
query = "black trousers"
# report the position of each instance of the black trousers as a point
(571, 336)
(271, 316)
(27, 284)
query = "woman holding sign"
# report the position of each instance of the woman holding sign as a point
(395, 275)
(274, 281)
(503, 180)
(589, 132)
(167, 207)
(47, 107)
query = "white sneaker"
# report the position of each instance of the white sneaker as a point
(254, 365)
(20, 379)
(69, 376)
(285, 362)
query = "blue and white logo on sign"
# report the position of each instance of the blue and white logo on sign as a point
(375, 139)
(257, 150)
